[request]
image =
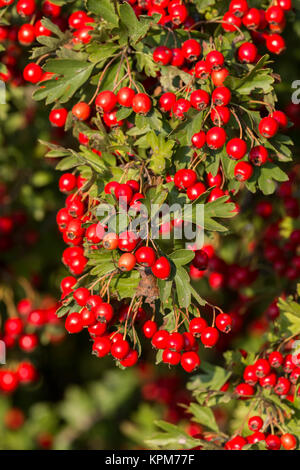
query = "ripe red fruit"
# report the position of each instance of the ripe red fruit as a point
(209, 337)
(28, 342)
(236, 148)
(247, 53)
(275, 43)
(236, 443)
(281, 118)
(268, 127)
(161, 268)
(26, 34)
(218, 76)
(101, 346)
(185, 178)
(73, 323)
(200, 260)
(249, 375)
(273, 442)
(275, 359)
(159, 339)
(104, 312)
(88, 317)
(224, 322)
(262, 368)
(127, 241)
(282, 386)
(177, 57)
(166, 101)
(275, 14)
(141, 103)
(8, 381)
(258, 155)
(124, 193)
(220, 115)
(93, 301)
(149, 328)
(32, 73)
(243, 171)
(244, 390)
(26, 372)
(193, 192)
(215, 60)
(180, 107)
(171, 357)
(125, 96)
(127, 262)
(81, 295)
(120, 349)
(288, 441)
(202, 70)
(221, 96)
(131, 359)
(162, 55)
(110, 241)
(197, 326)
(13, 326)
(110, 119)
(25, 7)
(191, 49)
(238, 7)
(146, 256)
(255, 423)
(285, 4)
(58, 117)
(230, 22)
(215, 137)
(199, 139)
(190, 361)
(106, 101)
(252, 19)
(175, 342)
(67, 182)
(98, 329)
(178, 13)
(200, 99)
(256, 437)
(81, 111)
(50, 9)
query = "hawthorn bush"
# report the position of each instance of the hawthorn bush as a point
(161, 104)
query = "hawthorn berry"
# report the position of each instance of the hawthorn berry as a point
(209, 337)
(161, 268)
(215, 60)
(193, 192)
(185, 178)
(215, 138)
(120, 349)
(159, 339)
(106, 101)
(149, 328)
(81, 111)
(288, 441)
(238, 7)
(275, 43)
(167, 101)
(258, 155)
(130, 359)
(191, 49)
(247, 53)
(231, 23)
(58, 117)
(224, 322)
(171, 357)
(127, 262)
(197, 326)
(243, 171)
(255, 423)
(125, 96)
(190, 361)
(221, 96)
(104, 312)
(32, 73)
(146, 256)
(162, 55)
(101, 346)
(141, 103)
(199, 139)
(200, 99)
(268, 127)
(236, 148)
(73, 323)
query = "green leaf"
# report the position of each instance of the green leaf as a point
(161, 151)
(125, 285)
(182, 281)
(137, 28)
(182, 257)
(105, 9)
(72, 75)
(172, 438)
(212, 377)
(204, 416)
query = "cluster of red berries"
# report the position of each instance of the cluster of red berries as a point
(265, 25)
(272, 441)
(22, 334)
(278, 373)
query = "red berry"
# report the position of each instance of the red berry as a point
(191, 49)
(215, 60)
(215, 138)
(268, 127)
(149, 328)
(26, 34)
(162, 55)
(175, 342)
(200, 260)
(101, 346)
(104, 312)
(127, 262)
(141, 103)
(190, 361)
(125, 96)
(58, 117)
(288, 441)
(220, 115)
(73, 323)
(185, 178)
(106, 101)
(273, 442)
(247, 53)
(281, 118)
(81, 111)
(127, 241)
(275, 359)
(224, 322)
(199, 139)
(120, 349)
(81, 295)
(171, 357)
(202, 70)
(200, 99)
(275, 43)
(275, 14)
(26, 7)
(159, 339)
(146, 256)
(166, 101)
(238, 7)
(161, 268)
(32, 73)
(197, 326)
(258, 155)
(255, 423)
(243, 171)
(236, 148)
(262, 368)
(209, 337)
(193, 192)
(221, 96)
(252, 19)
(230, 22)
(244, 390)
(67, 182)
(130, 359)
(181, 107)
(249, 375)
